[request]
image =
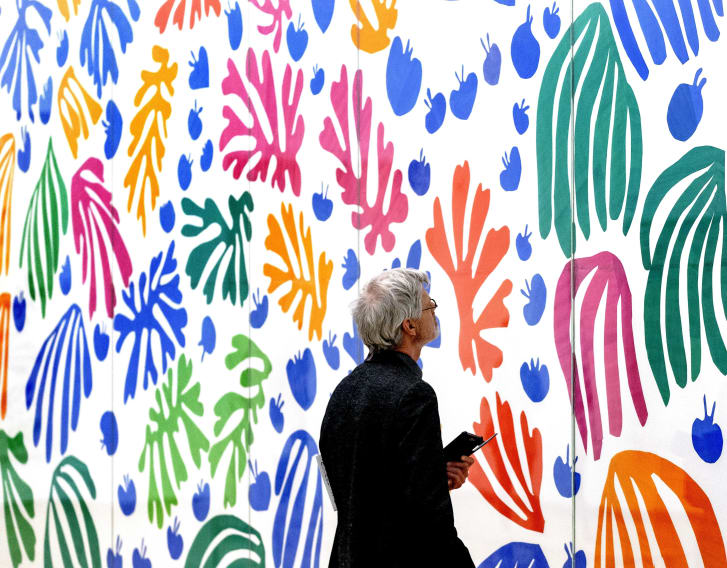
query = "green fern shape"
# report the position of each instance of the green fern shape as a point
(13, 485)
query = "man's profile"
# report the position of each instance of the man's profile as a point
(381, 442)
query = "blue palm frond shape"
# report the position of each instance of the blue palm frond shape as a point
(160, 296)
(22, 44)
(97, 52)
(64, 355)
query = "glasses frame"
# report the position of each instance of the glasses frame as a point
(434, 307)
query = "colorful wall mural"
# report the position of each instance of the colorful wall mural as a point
(192, 192)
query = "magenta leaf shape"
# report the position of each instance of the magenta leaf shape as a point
(96, 233)
(277, 12)
(609, 282)
(355, 188)
(285, 160)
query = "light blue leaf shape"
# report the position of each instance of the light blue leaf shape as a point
(516, 555)
(63, 356)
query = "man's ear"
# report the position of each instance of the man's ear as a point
(408, 327)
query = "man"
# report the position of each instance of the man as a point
(381, 442)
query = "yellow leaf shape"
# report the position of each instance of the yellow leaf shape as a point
(4, 350)
(74, 106)
(318, 291)
(7, 171)
(636, 471)
(364, 35)
(64, 8)
(149, 127)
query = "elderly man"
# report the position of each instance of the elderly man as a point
(381, 442)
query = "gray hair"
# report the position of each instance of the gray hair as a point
(384, 303)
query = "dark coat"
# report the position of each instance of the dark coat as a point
(381, 445)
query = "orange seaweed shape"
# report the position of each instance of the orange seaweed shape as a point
(636, 470)
(64, 8)
(363, 33)
(318, 292)
(195, 12)
(528, 516)
(7, 171)
(467, 282)
(74, 106)
(154, 115)
(4, 350)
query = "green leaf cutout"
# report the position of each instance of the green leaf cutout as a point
(181, 401)
(592, 138)
(697, 220)
(241, 545)
(46, 219)
(73, 540)
(234, 282)
(17, 514)
(241, 436)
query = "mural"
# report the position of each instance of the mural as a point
(193, 191)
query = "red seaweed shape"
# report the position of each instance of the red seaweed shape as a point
(355, 188)
(276, 24)
(609, 281)
(285, 160)
(95, 228)
(467, 282)
(529, 516)
(162, 18)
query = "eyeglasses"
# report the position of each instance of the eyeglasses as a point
(432, 307)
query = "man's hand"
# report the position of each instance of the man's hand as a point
(457, 472)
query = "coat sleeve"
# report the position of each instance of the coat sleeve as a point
(423, 475)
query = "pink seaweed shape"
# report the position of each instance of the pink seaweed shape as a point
(355, 188)
(276, 25)
(609, 279)
(285, 160)
(95, 228)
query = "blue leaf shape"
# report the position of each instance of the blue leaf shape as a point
(164, 295)
(22, 45)
(353, 345)
(97, 53)
(288, 525)
(64, 355)
(45, 104)
(516, 555)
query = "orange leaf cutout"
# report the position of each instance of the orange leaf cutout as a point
(530, 515)
(636, 470)
(4, 349)
(64, 9)
(195, 12)
(318, 291)
(7, 171)
(149, 125)
(363, 34)
(74, 106)
(466, 281)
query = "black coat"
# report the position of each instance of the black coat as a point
(381, 445)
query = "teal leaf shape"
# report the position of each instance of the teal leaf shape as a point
(241, 545)
(18, 502)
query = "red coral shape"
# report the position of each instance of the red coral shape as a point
(276, 25)
(285, 160)
(162, 18)
(530, 515)
(468, 279)
(95, 230)
(355, 188)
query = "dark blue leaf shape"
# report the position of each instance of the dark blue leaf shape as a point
(46, 101)
(97, 53)
(516, 555)
(162, 294)
(288, 524)
(64, 356)
(353, 345)
(22, 44)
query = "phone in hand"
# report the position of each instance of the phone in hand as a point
(465, 444)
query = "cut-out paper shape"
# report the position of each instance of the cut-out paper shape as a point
(419, 174)
(315, 285)
(276, 413)
(595, 149)
(522, 244)
(323, 13)
(209, 336)
(184, 171)
(205, 161)
(437, 106)
(699, 210)
(126, 495)
(234, 26)
(353, 345)
(525, 49)
(318, 80)
(167, 217)
(77, 109)
(147, 144)
(139, 558)
(510, 176)
(520, 117)
(65, 8)
(535, 380)
(567, 480)
(403, 77)
(4, 350)
(493, 62)
(278, 11)
(7, 175)
(551, 21)
(24, 154)
(110, 432)
(469, 275)
(194, 122)
(575, 559)
(528, 515)
(62, 49)
(365, 36)
(175, 542)
(114, 127)
(259, 314)
(297, 39)
(633, 473)
(259, 492)
(19, 311)
(237, 131)
(201, 501)
(241, 540)
(685, 108)
(161, 20)
(17, 496)
(101, 341)
(462, 99)
(45, 103)
(351, 177)
(351, 270)
(610, 285)
(330, 352)
(536, 294)
(199, 78)
(516, 555)
(322, 205)
(301, 372)
(707, 435)
(64, 278)
(114, 558)
(181, 404)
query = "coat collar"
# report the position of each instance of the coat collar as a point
(396, 357)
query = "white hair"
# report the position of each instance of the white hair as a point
(384, 303)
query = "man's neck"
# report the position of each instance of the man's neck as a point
(414, 351)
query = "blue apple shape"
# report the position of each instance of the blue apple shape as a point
(562, 475)
(685, 108)
(260, 313)
(510, 176)
(175, 542)
(209, 337)
(113, 126)
(19, 311)
(536, 295)
(139, 559)
(352, 270)
(462, 99)
(205, 162)
(114, 559)
(707, 436)
(525, 49)
(520, 117)
(167, 217)
(319, 78)
(551, 21)
(437, 106)
(184, 171)
(100, 341)
(535, 380)
(276, 413)
(403, 77)
(45, 103)
(201, 501)
(297, 40)
(259, 492)
(493, 62)
(194, 122)
(127, 496)
(419, 174)
(301, 371)
(322, 206)
(64, 278)
(330, 352)
(110, 432)
(234, 26)
(522, 244)
(323, 12)
(25, 151)
(62, 49)
(575, 559)
(199, 77)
